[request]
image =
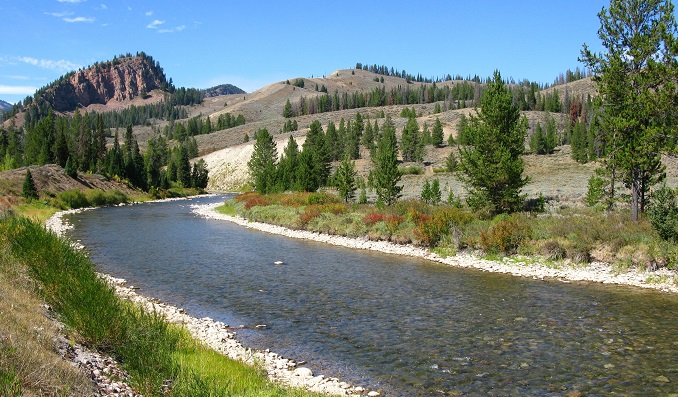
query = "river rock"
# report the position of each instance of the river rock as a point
(303, 372)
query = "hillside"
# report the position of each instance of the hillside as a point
(4, 105)
(222, 89)
(128, 83)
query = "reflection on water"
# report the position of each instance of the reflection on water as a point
(411, 327)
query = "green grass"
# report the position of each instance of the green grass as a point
(226, 209)
(149, 348)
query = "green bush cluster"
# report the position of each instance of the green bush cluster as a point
(92, 198)
(505, 236)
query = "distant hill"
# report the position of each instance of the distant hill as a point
(4, 105)
(222, 89)
(120, 79)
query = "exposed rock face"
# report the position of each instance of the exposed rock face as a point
(118, 80)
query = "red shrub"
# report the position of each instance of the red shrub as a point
(371, 219)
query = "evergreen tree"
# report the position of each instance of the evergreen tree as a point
(345, 179)
(579, 142)
(437, 134)
(426, 192)
(199, 175)
(333, 143)
(29, 191)
(287, 167)
(368, 136)
(426, 138)
(70, 169)
(436, 194)
(464, 133)
(61, 152)
(538, 140)
(493, 168)
(316, 146)
(412, 145)
(386, 172)
(636, 77)
(262, 163)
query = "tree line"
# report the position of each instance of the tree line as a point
(79, 144)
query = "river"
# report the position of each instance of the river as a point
(409, 327)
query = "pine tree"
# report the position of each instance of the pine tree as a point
(316, 147)
(538, 141)
(386, 172)
(287, 167)
(262, 163)
(493, 168)
(412, 145)
(287, 110)
(345, 179)
(70, 169)
(436, 194)
(426, 192)
(29, 192)
(437, 134)
(635, 75)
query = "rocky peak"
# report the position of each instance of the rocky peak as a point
(117, 80)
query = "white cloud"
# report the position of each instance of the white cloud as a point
(71, 1)
(66, 14)
(103, 6)
(155, 24)
(79, 19)
(60, 65)
(172, 30)
(17, 90)
(59, 14)
(148, 13)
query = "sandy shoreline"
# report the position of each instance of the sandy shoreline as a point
(592, 272)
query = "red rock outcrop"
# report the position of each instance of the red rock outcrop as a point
(118, 80)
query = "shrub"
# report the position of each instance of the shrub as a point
(393, 221)
(596, 190)
(431, 229)
(73, 199)
(505, 236)
(551, 249)
(322, 198)
(371, 219)
(411, 170)
(307, 215)
(663, 213)
(252, 199)
(335, 208)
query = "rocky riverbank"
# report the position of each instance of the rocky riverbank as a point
(215, 334)
(563, 271)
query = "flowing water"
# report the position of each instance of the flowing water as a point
(407, 326)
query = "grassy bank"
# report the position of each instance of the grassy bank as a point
(572, 235)
(37, 265)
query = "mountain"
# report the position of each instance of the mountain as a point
(222, 89)
(4, 105)
(121, 79)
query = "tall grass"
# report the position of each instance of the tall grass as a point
(154, 352)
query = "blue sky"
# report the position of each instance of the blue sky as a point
(254, 43)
